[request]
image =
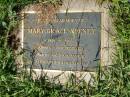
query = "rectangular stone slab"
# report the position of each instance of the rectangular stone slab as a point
(69, 41)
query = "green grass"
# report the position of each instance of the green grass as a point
(113, 82)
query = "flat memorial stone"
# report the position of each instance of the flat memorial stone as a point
(70, 41)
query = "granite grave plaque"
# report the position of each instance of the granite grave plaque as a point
(70, 41)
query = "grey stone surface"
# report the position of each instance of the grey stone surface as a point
(70, 42)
